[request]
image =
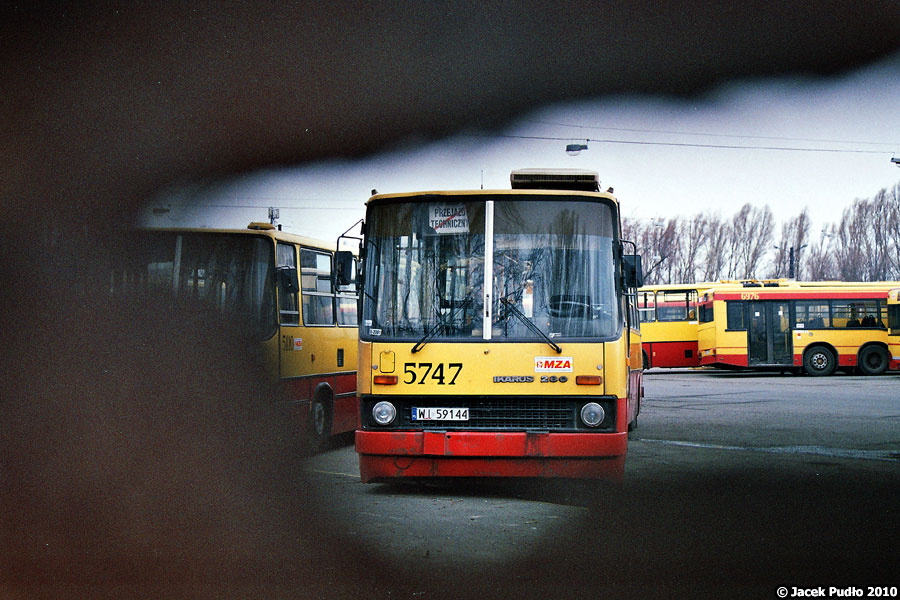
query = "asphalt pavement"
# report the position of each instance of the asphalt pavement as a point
(736, 484)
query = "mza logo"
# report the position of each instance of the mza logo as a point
(552, 364)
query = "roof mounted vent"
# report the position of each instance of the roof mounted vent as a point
(261, 226)
(555, 179)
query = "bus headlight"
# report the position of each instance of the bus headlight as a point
(384, 413)
(592, 414)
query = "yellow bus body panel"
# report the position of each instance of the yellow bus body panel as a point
(482, 362)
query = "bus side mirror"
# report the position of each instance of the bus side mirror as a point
(343, 269)
(289, 280)
(634, 272)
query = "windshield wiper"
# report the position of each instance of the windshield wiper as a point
(511, 308)
(441, 323)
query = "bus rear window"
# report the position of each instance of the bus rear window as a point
(706, 312)
(676, 306)
(894, 317)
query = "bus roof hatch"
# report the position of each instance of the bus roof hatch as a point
(555, 179)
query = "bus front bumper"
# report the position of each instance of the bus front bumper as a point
(386, 455)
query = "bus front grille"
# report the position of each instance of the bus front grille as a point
(493, 413)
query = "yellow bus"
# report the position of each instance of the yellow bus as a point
(669, 324)
(816, 327)
(498, 333)
(280, 286)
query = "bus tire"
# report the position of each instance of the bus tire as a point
(633, 425)
(819, 361)
(873, 360)
(319, 423)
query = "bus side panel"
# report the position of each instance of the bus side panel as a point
(729, 359)
(720, 346)
(673, 354)
(296, 394)
(847, 343)
(346, 405)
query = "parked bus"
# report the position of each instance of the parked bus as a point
(498, 333)
(894, 323)
(669, 324)
(817, 327)
(280, 285)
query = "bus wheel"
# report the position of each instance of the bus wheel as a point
(633, 425)
(319, 423)
(873, 360)
(819, 361)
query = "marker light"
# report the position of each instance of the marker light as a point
(385, 379)
(592, 414)
(384, 413)
(588, 379)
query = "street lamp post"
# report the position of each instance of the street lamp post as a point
(791, 267)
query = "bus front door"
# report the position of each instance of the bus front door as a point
(769, 334)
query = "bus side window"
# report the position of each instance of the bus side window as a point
(646, 306)
(315, 282)
(735, 315)
(812, 314)
(287, 298)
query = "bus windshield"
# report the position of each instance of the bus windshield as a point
(551, 261)
(232, 273)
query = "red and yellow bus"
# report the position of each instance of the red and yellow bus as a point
(498, 334)
(817, 327)
(669, 324)
(279, 286)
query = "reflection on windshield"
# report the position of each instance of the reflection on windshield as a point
(425, 261)
(552, 260)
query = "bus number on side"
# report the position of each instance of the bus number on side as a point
(434, 373)
(749, 296)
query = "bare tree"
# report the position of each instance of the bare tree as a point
(794, 238)
(892, 199)
(656, 243)
(693, 235)
(751, 238)
(821, 264)
(718, 236)
(863, 246)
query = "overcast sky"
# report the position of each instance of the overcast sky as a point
(663, 157)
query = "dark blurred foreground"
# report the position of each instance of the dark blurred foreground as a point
(140, 454)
